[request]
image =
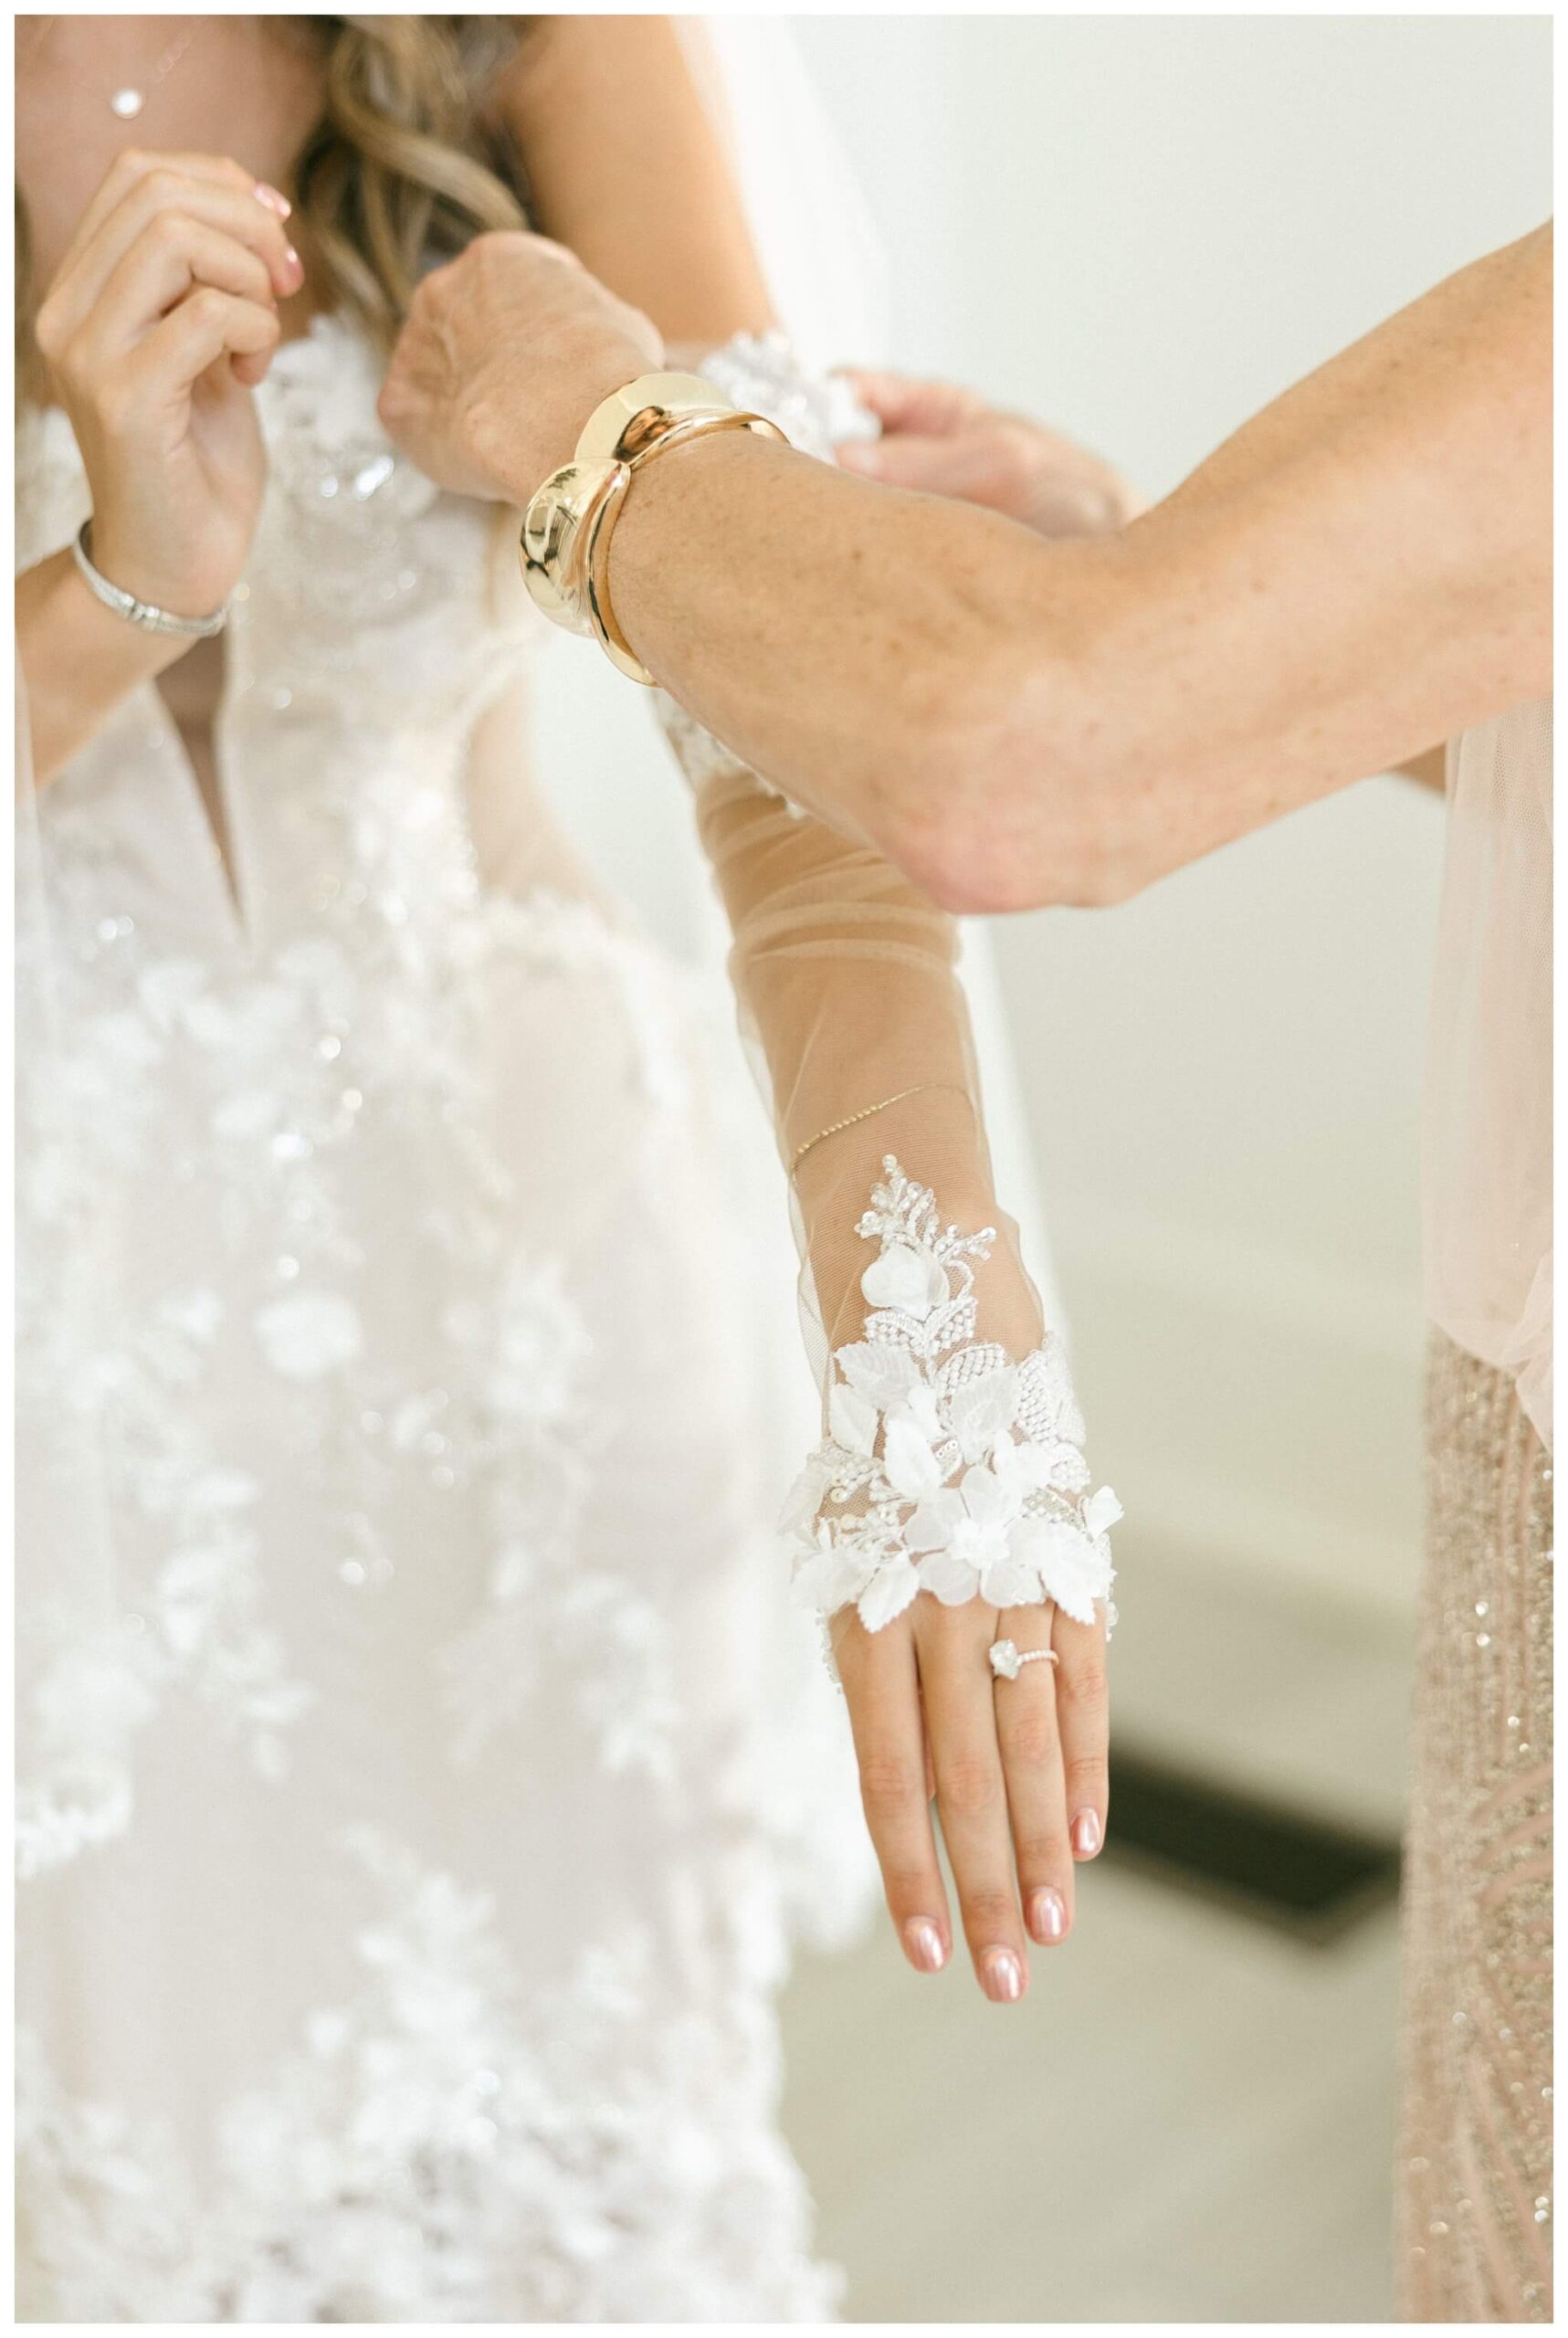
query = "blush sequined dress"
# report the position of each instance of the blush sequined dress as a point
(1475, 2236)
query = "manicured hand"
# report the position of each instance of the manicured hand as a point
(161, 319)
(943, 441)
(1017, 1770)
(505, 353)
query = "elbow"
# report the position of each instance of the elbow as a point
(972, 877)
(1009, 805)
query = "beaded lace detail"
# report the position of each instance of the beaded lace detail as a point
(947, 1467)
(392, 1473)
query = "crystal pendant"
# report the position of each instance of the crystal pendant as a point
(127, 103)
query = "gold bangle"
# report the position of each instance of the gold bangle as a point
(566, 529)
(837, 1128)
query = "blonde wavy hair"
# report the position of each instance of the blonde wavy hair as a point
(404, 167)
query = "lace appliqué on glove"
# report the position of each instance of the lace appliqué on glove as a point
(947, 1467)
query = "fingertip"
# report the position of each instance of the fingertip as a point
(924, 1946)
(1003, 1975)
(1088, 1835)
(861, 455)
(883, 393)
(1048, 1918)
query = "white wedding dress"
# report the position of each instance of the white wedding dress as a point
(415, 1771)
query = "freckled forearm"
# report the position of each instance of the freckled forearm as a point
(1363, 569)
(835, 634)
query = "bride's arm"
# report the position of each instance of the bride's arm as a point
(80, 662)
(625, 167)
(172, 279)
(935, 1401)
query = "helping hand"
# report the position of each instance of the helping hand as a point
(942, 441)
(505, 353)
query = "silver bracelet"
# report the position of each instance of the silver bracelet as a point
(146, 613)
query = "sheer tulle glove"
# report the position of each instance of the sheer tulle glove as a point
(948, 1467)
(947, 1513)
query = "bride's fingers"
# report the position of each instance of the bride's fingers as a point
(1083, 1716)
(930, 408)
(972, 466)
(1032, 1762)
(159, 270)
(154, 211)
(881, 1687)
(971, 1793)
(205, 327)
(135, 165)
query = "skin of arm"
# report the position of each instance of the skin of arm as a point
(1429, 770)
(81, 659)
(626, 169)
(1363, 569)
(125, 243)
(694, 271)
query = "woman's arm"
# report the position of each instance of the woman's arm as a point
(80, 660)
(625, 167)
(160, 321)
(844, 976)
(1363, 569)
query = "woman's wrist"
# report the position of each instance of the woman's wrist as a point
(569, 526)
(78, 660)
(517, 460)
(655, 520)
(122, 586)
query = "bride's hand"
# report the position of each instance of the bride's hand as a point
(160, 321)
(504, 355)
(1016, 1767)
(943, 441)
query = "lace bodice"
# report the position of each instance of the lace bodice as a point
(412, 1762)
(376, 620)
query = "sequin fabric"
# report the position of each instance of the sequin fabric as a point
(1474, 2239)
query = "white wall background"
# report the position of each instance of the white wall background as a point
(1141, 228)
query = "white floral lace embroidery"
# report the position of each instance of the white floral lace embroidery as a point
(437, 2148)
(338, 1407)
(947, 1467)
(816, 412)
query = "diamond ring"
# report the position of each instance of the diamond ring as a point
(1006, 1661)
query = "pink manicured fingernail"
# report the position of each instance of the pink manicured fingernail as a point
(923, 1942)
(272, 197)
(1048, 1915)
(1085, 1835)
(1001, 1976)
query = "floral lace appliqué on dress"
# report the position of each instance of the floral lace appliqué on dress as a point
(402, 1677)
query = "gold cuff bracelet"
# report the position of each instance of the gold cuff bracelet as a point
(567, 527)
